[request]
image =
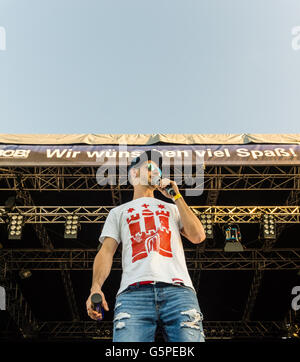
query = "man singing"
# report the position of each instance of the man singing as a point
(155, 288)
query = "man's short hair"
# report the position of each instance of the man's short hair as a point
(150, 155)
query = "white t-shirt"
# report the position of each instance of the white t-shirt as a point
(151, 242)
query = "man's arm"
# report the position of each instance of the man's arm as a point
(192, 227)
(103, 262)
(101, 269)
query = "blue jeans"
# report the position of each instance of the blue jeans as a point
(140, 308)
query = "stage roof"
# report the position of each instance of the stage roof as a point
(148, 139)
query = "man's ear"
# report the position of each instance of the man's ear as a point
(134, 174)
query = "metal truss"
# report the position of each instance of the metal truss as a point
(253, 292)
(210, 259)
(196, 273)
(40, 230)
(212, 200)
(16, 304)
(293, 199)
(98, 214)
(19, 310)
(243, 329)
(2, 268)
(292, 323)
(235, 178)
(216, 179)
(66, 278)
(116, 195)
(212, 329)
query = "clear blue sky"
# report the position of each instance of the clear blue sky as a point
(149, 66)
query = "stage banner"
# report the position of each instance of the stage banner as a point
(96, 155)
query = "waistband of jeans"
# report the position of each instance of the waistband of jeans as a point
(153, 283)
(157, 284)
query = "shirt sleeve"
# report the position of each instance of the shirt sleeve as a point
(111, 228)
(177, 217)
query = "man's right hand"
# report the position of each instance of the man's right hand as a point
(92, 313)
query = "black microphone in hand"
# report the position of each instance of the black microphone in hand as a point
(96, 302)
(170, 190)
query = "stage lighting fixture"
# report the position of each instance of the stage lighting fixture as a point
(15, 227)
(233, 238)
(269, 227)
(24, 273)
(71, 227)
(206, 221)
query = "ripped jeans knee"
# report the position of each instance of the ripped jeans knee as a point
(194, 318)
(193, 321)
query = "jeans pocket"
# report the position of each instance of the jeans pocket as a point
(124, 291)
(189, 289)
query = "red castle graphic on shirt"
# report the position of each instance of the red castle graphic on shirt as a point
(153, 238)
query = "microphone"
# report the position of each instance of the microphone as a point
(168, 188)
(96, 301)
